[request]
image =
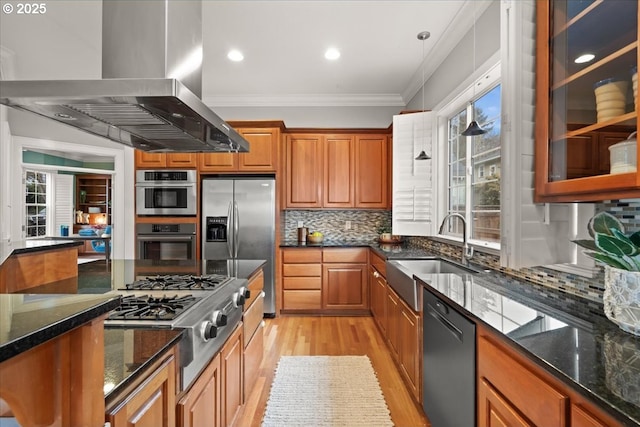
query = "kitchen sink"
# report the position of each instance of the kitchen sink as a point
(400, 275)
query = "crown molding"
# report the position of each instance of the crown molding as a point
(306, 100)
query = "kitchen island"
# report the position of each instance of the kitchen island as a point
(51, 358)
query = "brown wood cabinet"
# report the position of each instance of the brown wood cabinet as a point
(514, 391)
(147, 160)
(263, 155)
(571, 161)
(59, 382)
(325, 280)
(304, 154)
(200, 406)
(337, 170)
(378, 297)
(301, 279)
(399, 324)
(232, 368)
(253, 331)
(153, 402)
(27, 271)
(344, 279)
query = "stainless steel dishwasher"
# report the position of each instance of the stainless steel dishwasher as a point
(449, 369)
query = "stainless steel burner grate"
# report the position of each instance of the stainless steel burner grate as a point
(180, 282)
(146, 307)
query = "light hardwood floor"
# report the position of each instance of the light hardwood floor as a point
(310, 335)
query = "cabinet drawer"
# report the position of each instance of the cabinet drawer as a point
(302, 283)
(252, 318)
(378, 263)
(301, 256)
(301, 300)
(524, 389)
(345, 255)
(255, 286)
(252, 359)
(304, 270)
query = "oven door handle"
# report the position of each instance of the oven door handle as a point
(166, 238)
(230, 236)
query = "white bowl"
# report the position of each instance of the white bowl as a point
(623, 156)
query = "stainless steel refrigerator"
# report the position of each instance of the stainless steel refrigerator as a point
(239, 222)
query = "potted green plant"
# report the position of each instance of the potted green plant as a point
(620, 254)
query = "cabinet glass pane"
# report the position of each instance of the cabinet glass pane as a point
(593, 60)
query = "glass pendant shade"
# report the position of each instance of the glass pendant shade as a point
(423, 156)
(473, 129)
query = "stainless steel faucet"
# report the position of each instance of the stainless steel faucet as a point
(467, 251)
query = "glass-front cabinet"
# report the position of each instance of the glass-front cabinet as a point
(586, 116)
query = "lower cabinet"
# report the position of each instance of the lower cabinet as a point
(401, 327)
(515, 391)
(201, 405)
(151, 403)
(378, 296)
(403, 335)
(253, 332)
(301, 279)
(231, 367)
(325, 280)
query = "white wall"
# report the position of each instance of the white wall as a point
(458, 65)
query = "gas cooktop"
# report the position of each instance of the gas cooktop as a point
(207, 282)
(150, 307)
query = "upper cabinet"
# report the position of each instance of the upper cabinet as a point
(262, 155)
(337, 171)
(584, 106)
(146, 159)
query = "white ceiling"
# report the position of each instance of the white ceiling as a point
(283, 43)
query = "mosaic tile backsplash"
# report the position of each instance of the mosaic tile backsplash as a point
(364, 225)
(333, 223)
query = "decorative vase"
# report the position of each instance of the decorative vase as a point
(622, 298)
(83, 196)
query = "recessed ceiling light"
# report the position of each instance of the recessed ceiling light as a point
(584, 58)
(332, 54)
(235, 55)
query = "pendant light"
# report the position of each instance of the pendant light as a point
(423, 35)
(474, 128)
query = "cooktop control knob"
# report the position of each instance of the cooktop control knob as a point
(209, 331)
(245, 292)
(219, 318)
(238, 299)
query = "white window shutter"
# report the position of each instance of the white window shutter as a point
(531, 234)
(63, 200)
(413, 180)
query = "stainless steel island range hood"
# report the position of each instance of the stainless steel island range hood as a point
(149, 96)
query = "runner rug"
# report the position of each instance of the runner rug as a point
(325, 391)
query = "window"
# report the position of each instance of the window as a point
(472, 192)
(36, 192)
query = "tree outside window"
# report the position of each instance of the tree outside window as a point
(36, 203)
(471, 191)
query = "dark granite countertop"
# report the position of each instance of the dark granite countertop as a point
(27, 320)
(27, 246)
(566, 335)
(326, 244)
(128, 352)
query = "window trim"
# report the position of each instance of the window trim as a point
(484, 80)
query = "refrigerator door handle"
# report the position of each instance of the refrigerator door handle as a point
(236, 229)
(230, 236)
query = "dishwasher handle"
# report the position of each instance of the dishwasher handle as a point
(457, 333)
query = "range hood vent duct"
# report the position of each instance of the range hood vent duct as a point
(149, 96)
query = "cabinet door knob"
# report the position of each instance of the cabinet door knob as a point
(376, 274)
